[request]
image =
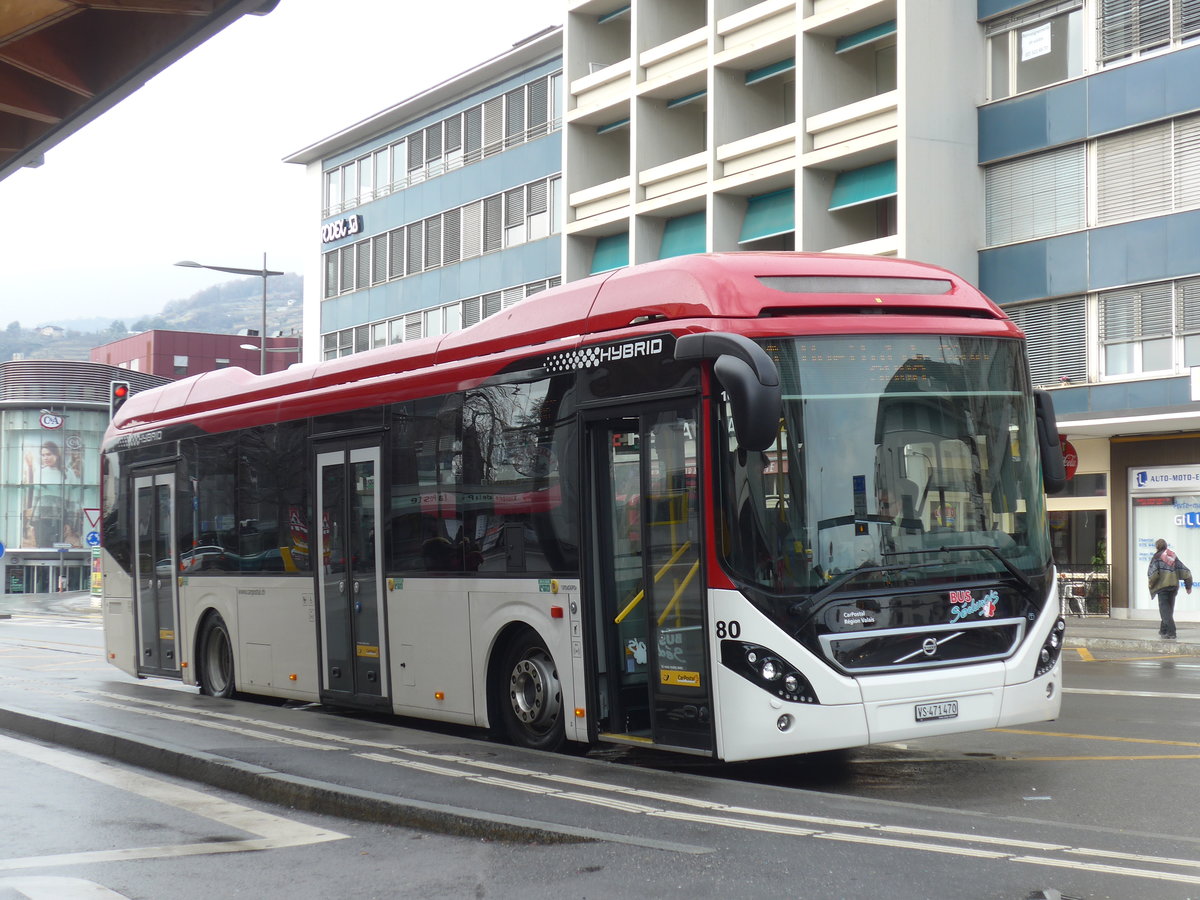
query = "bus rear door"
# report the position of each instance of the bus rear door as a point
(654, 679)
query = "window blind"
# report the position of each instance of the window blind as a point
(1035, 196)
(1056, 339)
(1133, 174)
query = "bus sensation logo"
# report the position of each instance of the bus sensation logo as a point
(965, 604)
(591, 357)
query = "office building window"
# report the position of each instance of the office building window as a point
(1148, 171)
(1036, 48)
(1147, 328)
(1036, 196)
(1056, 339)
(181, 366)
(520, 115)
(1127, 28)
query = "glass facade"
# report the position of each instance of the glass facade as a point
(49, 494)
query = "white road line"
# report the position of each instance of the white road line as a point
(49, 887)
(1163, 695)
(270, 831)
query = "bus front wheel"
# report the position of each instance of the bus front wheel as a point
(216, 659)
(531, 695)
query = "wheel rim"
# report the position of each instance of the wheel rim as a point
(218, 662)
(534, 691)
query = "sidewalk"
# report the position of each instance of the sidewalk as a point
(1103, 633)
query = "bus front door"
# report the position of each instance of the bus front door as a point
(652, 658)
(354, 658)
(155, 584)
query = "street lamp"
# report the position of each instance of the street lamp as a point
(264, 273)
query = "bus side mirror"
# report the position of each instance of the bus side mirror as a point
(749, 376)
(1054, 473)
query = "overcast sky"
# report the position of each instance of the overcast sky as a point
(190, 166)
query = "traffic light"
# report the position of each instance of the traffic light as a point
(118, 393)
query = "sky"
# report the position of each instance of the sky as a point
(190, 166)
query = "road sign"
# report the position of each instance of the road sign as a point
(93, 515)
(61, 547)
(1, 551)
(93, 539)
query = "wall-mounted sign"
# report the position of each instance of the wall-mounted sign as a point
(1161, 479)
(51, 420)
(335, 231)
(1070, 457)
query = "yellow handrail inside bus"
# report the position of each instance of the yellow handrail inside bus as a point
(679, 592)
(657, 578)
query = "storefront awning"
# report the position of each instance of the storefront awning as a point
(612, 252)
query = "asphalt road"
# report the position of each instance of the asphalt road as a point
(1097, 804)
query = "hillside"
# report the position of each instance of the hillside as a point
(225, 308)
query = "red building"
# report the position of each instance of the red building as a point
(177, 354)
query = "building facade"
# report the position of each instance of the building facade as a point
(1089, 142)
(441, 210)
(177, 354)
(53, 415)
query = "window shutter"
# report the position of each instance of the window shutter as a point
(1055, 337)
(451, 236)
(472, 230)
(433, 242)
(472, 147)
(1153, 23)
(538, 100)
(493, 231)
(362, 338)
(1187, 314)
(329, 343)
(514, 208)
(347, 269)
(1156, 309)
(493, 126)
(1187, 161)
(1116, 28)
(363, 274)
(509, 296)
(416, 248)
(1035, 196)
(1189, 18)
(514, 117)
(537, 197)
(331, 273)
(396, 253)
(491, 304)
(413, 326)
(1133, 174)
(554, 281)
(379, 258)
(470, 311)
(433, 142)
(416, 151)
(453, 133)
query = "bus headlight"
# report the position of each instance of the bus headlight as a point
(1051, 649)
(768, 670)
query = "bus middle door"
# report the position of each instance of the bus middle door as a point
(645, 573)
(156, 600)
(352, 633)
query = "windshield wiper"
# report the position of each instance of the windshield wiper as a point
(1016, 573)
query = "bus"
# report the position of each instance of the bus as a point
(738, 505)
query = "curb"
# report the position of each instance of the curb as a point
(292, 791)
(1148, 646)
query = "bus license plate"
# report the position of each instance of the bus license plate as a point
(946, 709)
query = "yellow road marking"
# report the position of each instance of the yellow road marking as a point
(1101, 758)
(1096, 737)
(1084, 653)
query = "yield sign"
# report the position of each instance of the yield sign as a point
(93, 516)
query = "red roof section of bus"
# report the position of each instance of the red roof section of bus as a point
(703, 288)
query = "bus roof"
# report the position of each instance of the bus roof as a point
(724, 286)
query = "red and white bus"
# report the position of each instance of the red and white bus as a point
(742, 505)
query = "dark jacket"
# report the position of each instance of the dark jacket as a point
(1166, 571)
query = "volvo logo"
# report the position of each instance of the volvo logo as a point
(929, 646)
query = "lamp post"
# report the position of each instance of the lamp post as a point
(265, 273)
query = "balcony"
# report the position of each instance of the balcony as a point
(677, 175)
(869, 117)
(763, 149)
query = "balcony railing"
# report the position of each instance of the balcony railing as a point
(1085, 590)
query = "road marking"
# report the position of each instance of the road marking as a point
(1097, 737)
(1161, 695)
(270, 831)
(49, 887)
(1084, 653)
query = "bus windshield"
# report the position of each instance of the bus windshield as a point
(900, 461)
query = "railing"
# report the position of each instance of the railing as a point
(1085, 589)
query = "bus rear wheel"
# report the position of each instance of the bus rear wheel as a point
(216, 659)
(531, 695)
